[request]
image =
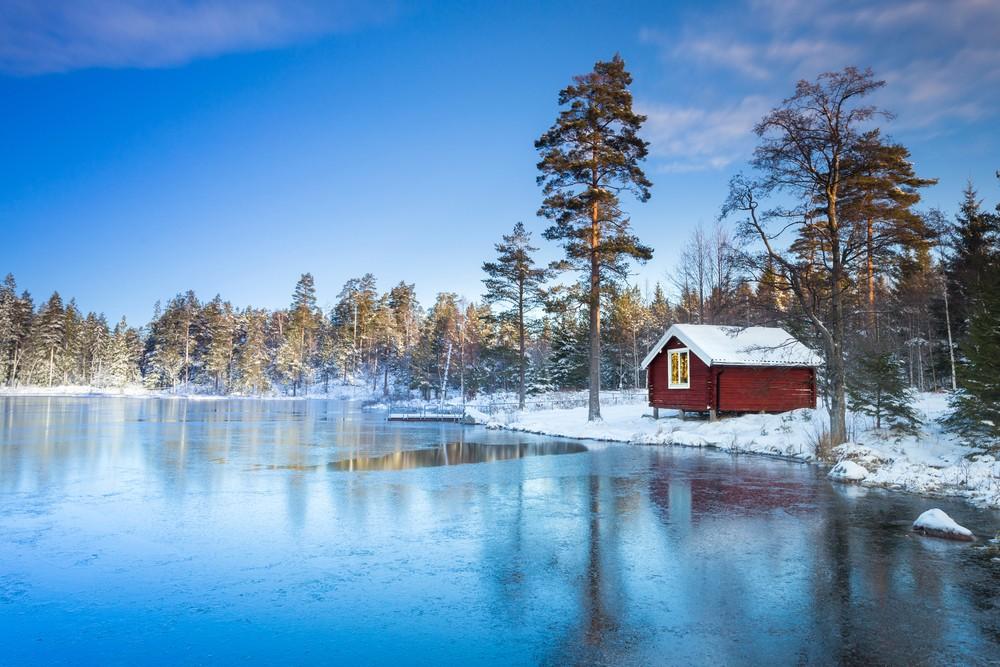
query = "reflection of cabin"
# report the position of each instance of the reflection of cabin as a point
(708, 368)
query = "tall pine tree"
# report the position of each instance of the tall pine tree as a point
(588, 158)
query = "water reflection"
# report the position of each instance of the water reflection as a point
(455, 453)
(213, 531)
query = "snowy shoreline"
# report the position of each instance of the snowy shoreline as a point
(933, 462)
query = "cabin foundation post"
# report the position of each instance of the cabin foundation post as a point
(656, 412)
(712, 414)
(683, 414)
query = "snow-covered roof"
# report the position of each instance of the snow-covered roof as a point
(738, 346)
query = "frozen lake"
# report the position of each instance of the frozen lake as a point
(173, 531)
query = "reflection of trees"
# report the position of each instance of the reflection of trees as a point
(624, 556)
(602, 633)
(453, 453)
(876, 593)
(599, 623)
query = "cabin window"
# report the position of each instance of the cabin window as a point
(679, 369)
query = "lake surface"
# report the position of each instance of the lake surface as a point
(289, 532)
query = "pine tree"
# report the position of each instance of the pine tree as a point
(878, 200)
(974, 240)
(8, 328)
(220, 329)
(252, 356)
(352, 320)
(47, 340)
(588, 157)
(406, 316)
(877, 387)
(70, 369)
(94, 349)
(295, 356)
(515, 280)
(24, 320)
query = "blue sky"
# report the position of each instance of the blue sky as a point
(223, 146)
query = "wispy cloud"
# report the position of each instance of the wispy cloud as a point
(940, 59)
(43, 36)
(687, 138)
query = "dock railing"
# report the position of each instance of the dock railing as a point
(407, 411)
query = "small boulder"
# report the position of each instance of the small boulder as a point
(847, 471)
(935, 523)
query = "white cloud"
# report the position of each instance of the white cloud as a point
(41, 36)
(687, 138)
(941, 58)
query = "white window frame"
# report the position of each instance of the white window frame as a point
(678, 385)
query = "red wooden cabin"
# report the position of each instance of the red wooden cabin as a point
(708, 368)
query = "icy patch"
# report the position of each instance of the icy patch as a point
(936, 523)
(847, 471)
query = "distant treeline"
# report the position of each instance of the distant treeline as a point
(387, 340)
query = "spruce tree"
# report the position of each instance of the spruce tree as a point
(568, 363)
(977, 403)
(660, 313)
(588, 157)
(8, 329)
(877, 387)
(47, 339)
(974, 240)
(514, 279)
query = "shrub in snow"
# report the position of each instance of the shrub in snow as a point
(847, 471)
(935, 523)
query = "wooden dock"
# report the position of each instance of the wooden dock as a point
(431, 414)
(408, 417)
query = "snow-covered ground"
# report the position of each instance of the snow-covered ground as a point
(934, 461)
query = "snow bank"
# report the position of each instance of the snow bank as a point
(932, 462)
(787, 435)
(847, 471)
(936, 523)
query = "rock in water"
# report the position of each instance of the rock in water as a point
(935, 523)
(847, 471)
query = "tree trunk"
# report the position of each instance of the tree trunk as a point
(951, 346)
(870, 261)
(520, 345)
(594, 408)
(838, 375)
(444, 379)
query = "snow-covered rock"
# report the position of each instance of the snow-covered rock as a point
(847, 471)
(935, 523)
